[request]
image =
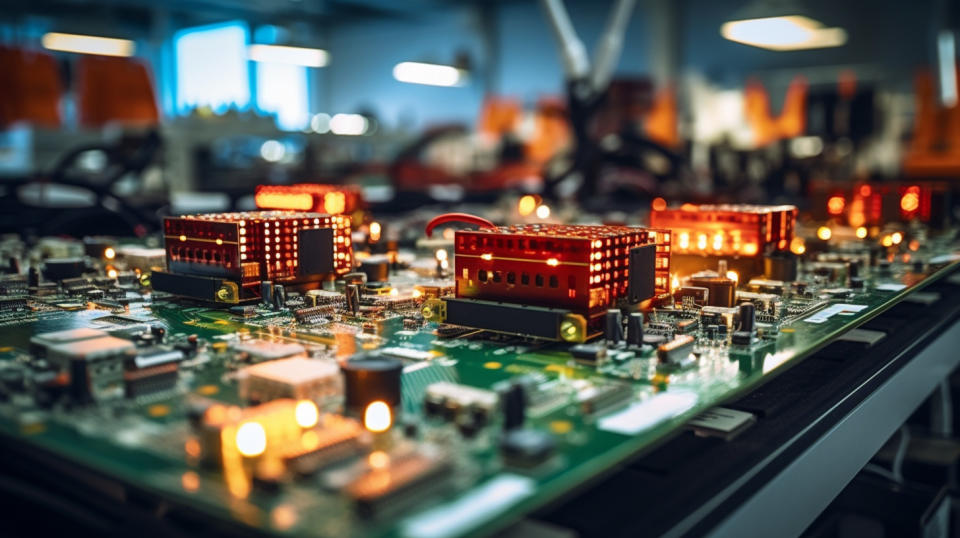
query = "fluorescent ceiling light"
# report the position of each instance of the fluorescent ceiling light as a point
(88, 44)
(288, 55)
(429, 74)
(791, 32)
(348, 124)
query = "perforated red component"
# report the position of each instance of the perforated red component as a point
(728, 230)
(582, 268)
(250, 246)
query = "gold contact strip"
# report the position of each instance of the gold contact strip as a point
(578, 264)
(222, 242)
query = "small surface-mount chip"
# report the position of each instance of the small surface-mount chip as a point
(296, 377)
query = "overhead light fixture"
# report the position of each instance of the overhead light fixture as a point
(283, 54)
(348, 124)
(88, 44)
(429, 74)
(783, 33)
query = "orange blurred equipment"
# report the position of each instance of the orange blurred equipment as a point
(31, 88)
(114, 90)
(330, 199)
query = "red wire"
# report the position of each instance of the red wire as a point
(457, 217)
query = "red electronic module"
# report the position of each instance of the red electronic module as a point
(225, 256)
(581, 269)
(330, 199)
(741, 234)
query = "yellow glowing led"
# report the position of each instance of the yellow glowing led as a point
(378, 459)
(441, 254)
(112, 273)
(718, 242)
(220, 241)
(683, 240)
(394, 292)
(824, 233)
(732, 275)
(750, 249)
(527, 205)
(798, 246)
(543, 211)
(183, 238)
(306, 413)
(702, 242)
(896, 238)
(486, 256)
(375, 229)
(861, 232)
(553, 262)
(377, 417)
(887, 241)
(251, 439)
(416, 293)
(109, 253)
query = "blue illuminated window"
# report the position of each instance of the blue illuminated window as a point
(282, 90)
(212, 68)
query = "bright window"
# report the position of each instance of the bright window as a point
(282, 90)
(212, 67)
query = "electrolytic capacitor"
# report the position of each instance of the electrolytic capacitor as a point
(352, 292)
(613, 329)
(279, 296)
(266, 292)
(748, 318)
(514, 407)
(33, 277)
(635, 329)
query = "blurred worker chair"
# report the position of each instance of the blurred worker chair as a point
(31, 88)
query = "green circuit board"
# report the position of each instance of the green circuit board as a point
(594, 413)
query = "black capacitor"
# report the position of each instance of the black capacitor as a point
(780, 266)
(722, 289)
(711, 332)
(33, 277)
(353, 298)
(13, 265)
(856, 283)
(514, 407)
(377, 268)
(748, 318)
(61, 268)
(635, 329)
(266, 292)
(613, 327)
(853, 269)
(279, 296)
(369, 378)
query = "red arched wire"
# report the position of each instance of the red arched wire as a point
(457, 217)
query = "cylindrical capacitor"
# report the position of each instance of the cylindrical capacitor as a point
(367, 379)
(722, 289)
(353, 298)
(279, 296)
(33, 277)
(748, 317)
(635, 329)
(377, 268)
(613, 327)
(780, 266)
(266, 292)
(514, 407)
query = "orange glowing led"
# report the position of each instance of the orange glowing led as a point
(299, 201)
(750, 249)
(910, 202)
(836, 204)
(824, 233)
(190, 481)
(553, 262)
(334, 203)
(109, 253)
(375, 229)
(861, 232)
(527, 205)
(798, 246)
(659, 204)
